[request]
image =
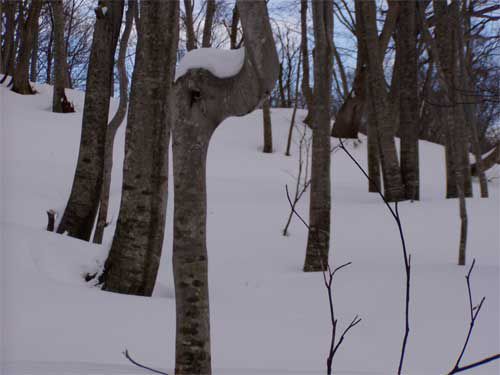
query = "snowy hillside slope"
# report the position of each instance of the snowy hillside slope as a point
(267, 316)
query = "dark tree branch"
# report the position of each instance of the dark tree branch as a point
(127, 355)
(474, 312)
(407, 257)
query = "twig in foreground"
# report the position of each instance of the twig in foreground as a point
(125, 353)
(474, 312)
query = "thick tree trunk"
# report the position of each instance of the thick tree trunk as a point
(209, 21)
(115, 124)
(189, 23)
(374, 181)
(393, 184)
(318, 240)
(268, 131)
(81, 209)
(60, 103)
(21, 83)
(133, 261)
(201, 103)
(408, 99)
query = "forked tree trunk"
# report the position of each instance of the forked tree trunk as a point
(209, 21)
(60, 103)
(114, 124)
(21, 83)
(408, 99)
(267, 126)
(133, 261)
(10, 29)
(202, 102)
(81, 209)
(318, 240)
(393, 184)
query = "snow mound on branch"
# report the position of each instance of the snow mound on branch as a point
(222, 63)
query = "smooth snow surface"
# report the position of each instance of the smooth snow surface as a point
(267, 316)
(222, 63)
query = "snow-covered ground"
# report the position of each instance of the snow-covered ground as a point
(267, 316)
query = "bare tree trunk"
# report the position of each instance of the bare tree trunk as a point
(233, 36)
(114, 124)
(294, 113)
(375, 182)
(408, 99)
(318, 240)
(393, 184)
(201, 103)
(21, 83)
(60, 103)
(191, 37)
(133, 260)
(48, 79)
(209, 21)
(81, 209)
(34, 54)
(306, 87)
(10, 29)
(268, 131)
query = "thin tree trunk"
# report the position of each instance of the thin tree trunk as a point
(268, 132)
(48, 79)
(114, 124)
(233, 35)
(375, 182)
(80, 213)
(201, 103)
(393, 184)
(306, 87)
(318, 240)
(21, 83)
(294, 113)
(408, 99)
(60, 103)
(209, 21)
(133, 260)
(34, 54)
(190, 35)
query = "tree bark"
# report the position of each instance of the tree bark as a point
(133, 261)
(233, 35)
(190, 35)
(201, 103)
(268, 132)
(391, 173)
(318, 240)
(81, 209)
(115, 123)
(408, 99)
(21, 84)
(60, 103)
(306, 86)
(10, 29)
(34, 53)
(209, 21)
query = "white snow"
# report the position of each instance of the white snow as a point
(267, 317)
(222, 63)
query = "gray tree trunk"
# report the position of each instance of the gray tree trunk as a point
(115, 123)
(318, 240)
(34, 53)
(209, 21)
(60, 103)
(408, 99)
(267, 126)
(21, 83)
(191, 42)
(306, 86)
(133, 260)
(391, 173)
(81, 209)
(201, 103)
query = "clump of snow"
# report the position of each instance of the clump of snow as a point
(222, 63)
